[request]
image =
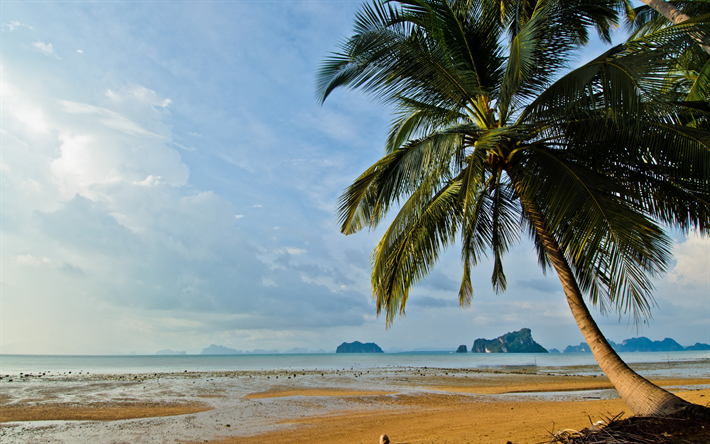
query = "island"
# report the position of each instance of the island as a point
(641, 344)
(220, 350)
(167, 351)
(515, 342)
(462, 349)
(582, 348)
(358, 347)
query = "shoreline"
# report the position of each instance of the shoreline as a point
(411, 404)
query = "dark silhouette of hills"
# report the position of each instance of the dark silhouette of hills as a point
(358, 347)
(167, 351)
(642, 344)
(515, 342)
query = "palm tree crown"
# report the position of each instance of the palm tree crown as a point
(489, 141)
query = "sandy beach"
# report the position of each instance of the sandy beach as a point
(411, 405)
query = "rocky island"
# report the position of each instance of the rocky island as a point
(515, 342)
(167, 351)
(641, 344)
(358, 347)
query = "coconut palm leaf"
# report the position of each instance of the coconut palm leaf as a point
(411, 246)
(647, 20)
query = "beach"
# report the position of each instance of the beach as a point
(520, 404)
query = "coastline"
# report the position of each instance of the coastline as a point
(410, 404)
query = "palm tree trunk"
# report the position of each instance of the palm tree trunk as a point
(640, 395)
(667, 10)
(674, 15)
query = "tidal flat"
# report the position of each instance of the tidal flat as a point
(521, 404)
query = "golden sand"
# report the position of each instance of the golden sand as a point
(95, 412)
(455, 418)
(442, 419)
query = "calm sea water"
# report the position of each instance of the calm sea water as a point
(689, 363)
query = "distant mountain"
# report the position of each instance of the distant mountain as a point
(515, 342)
(220, 350)
(297, 350)
(642, 344)
(358, 347)
(553, 350)
(259, 351)
(167, 351)
(581, 348)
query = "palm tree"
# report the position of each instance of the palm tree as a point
(666, 9)
(486, 145)
(663, 13)
(660, 13)
(692, 67)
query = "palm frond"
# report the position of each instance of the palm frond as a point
(411, 246)
(505, 226)
(421, 163)
(647, 20)
(614, 250)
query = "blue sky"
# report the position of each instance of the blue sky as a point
(169, 181)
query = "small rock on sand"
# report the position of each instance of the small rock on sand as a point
(384, 439)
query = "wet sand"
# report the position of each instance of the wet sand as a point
(96, 411)
(411, 405)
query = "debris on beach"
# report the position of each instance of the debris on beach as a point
(638, 430)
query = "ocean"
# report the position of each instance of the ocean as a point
(686, 363)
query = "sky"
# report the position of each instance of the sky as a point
(169, 181)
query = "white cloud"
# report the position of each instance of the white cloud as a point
(111, 119)
(138, 93)
(28, 259)
(15, 24)
(238, 216)
(79, 51)
(32, 115)
(127, 222)
(149, 181)
(257, 206)
(295, 251)
(692, 261)
(45, 48)
(190, 149)
(13, 137)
